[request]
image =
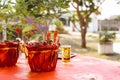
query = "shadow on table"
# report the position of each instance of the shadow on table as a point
(115, 56)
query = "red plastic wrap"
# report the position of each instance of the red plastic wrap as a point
(9, 53)
(42, 56)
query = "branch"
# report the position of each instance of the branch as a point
(4, 3)
(101, 2)
(74, 6)
(77, 2)
(90, 12)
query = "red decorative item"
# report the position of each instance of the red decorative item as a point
(42, 56)
(17, 30)
(55, 36)
(9, 53)
(48, 35)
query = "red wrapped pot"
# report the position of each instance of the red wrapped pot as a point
(9, 53)
(42, 56)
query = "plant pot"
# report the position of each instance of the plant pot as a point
(42, 60)
(42, 57)
(9, 53)
(105, 48)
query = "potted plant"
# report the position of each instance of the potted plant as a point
(42, 55)
(105, 45)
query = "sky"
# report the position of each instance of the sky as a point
(109, 8)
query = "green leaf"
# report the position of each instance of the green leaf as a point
(0, 28)
(26, 29)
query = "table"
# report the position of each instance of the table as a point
(80, 68)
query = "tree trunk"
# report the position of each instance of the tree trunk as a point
(83, 26)
(83, 36)
(73, 27)
(83, 20)
(4, 31)
(73, 22)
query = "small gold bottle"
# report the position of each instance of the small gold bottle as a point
(66, 51)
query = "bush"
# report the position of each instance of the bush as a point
(106, 36)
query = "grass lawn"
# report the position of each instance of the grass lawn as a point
(91, 50)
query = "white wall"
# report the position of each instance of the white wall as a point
(93, 25)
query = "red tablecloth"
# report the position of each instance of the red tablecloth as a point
(80, 68)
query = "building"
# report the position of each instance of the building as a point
(110, 24)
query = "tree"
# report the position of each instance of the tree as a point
(73, 18)
(84, 9)
(42, 10)
(6, 12)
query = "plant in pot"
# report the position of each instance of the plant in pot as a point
(105, 45)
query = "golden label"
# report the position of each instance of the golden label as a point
(66, 53)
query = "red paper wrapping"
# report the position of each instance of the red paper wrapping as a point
(9, 53)
(42, 56)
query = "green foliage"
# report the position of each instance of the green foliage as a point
(106, 36)
(88, 6)
(63, 20)
(59, 26)
(0, 28)
(6, 9)
(40, 38)
(26, 29)
(41, 10)
(21, 8)
(46, 8)
(58, 23)
(11, 34)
